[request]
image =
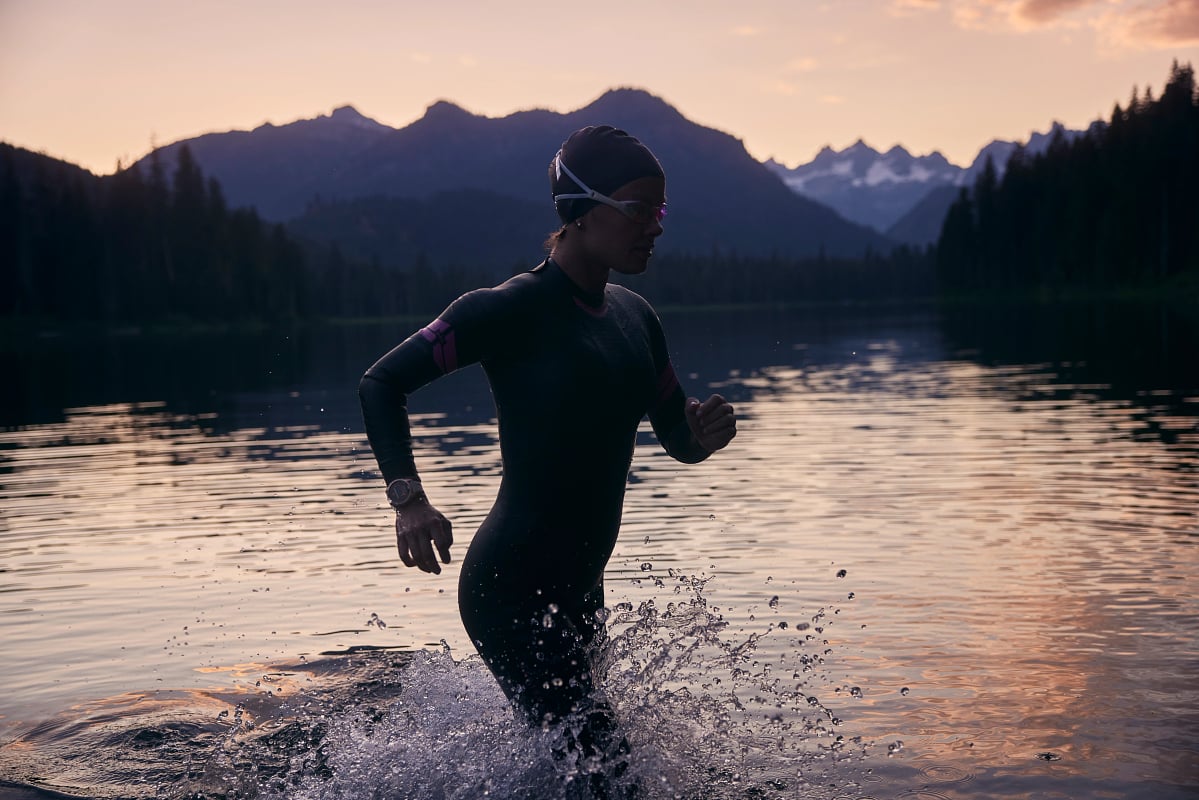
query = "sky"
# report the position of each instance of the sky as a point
(101, 83)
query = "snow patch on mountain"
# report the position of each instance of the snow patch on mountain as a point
(878, 189)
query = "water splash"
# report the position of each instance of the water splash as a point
(706, 712)
(704, 716)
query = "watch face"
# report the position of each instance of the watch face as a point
(399, 492)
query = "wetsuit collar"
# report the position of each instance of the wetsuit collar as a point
(592, 301)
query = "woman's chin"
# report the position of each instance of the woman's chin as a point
(637, 263)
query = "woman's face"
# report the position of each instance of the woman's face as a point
(619, 244)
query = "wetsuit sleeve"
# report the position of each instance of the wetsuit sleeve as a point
(666, 412)
(462, 335)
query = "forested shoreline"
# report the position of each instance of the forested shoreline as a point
(1114, 209)
(136, 248)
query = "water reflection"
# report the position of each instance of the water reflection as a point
(1008, 535)
(1141, 353)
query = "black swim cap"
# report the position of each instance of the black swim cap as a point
(602, 157)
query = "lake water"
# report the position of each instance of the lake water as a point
(949, 555)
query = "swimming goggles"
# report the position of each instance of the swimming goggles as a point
(638, 211)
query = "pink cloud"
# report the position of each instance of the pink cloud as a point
(903, 8)
(1120, 24)
(1162, 23)
(1045, 11)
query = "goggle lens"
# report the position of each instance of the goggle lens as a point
(643, 213)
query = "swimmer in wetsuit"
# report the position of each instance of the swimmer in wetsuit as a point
(574, 364)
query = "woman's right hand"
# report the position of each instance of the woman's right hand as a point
(419, 528)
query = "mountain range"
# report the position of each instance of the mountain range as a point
(900, 195)
(459, 188)
(453, 186)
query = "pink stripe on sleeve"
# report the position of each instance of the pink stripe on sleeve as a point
(667, 383)
(440, 334)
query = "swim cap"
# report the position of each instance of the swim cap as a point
(604, 159)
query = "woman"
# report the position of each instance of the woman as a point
(574, 364)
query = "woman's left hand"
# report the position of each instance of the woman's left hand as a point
(712, 422)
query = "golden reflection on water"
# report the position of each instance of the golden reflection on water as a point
(1016, 555)
(1026, 569)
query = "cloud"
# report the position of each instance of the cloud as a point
(801, 65)
(1119, 24)
(906, 8)
(1151, 25)
(1047, 11)
(1018, 15)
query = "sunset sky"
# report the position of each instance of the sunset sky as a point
(94, 82)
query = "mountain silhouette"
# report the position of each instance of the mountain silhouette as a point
(721, 199)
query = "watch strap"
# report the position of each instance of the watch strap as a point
(402, 491)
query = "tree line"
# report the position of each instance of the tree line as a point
(1115, 208)
(142, 246)
(137, 247)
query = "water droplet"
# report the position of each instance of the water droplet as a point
(783, 625)
(904, 691)
(646, 566)
(553, 608)
(1049, 756)
(711, 516)
(556, 682)
(647, 540)
(842, 573)
(856, 691)
(547, 621)
(774, 601)
(851, 595)
(894, 747)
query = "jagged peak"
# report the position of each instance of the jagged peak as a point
(629, 99)
(348, 115)
(444, 109)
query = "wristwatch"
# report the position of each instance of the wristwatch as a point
(403, 491)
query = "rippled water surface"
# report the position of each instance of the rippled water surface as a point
(948, 556)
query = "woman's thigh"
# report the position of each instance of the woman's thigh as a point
(539, 647)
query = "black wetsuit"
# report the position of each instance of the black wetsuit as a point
(572, 376)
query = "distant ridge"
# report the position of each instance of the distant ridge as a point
(721, 198)
(901, 195)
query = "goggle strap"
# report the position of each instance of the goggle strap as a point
(559, 168)
(588, 193)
